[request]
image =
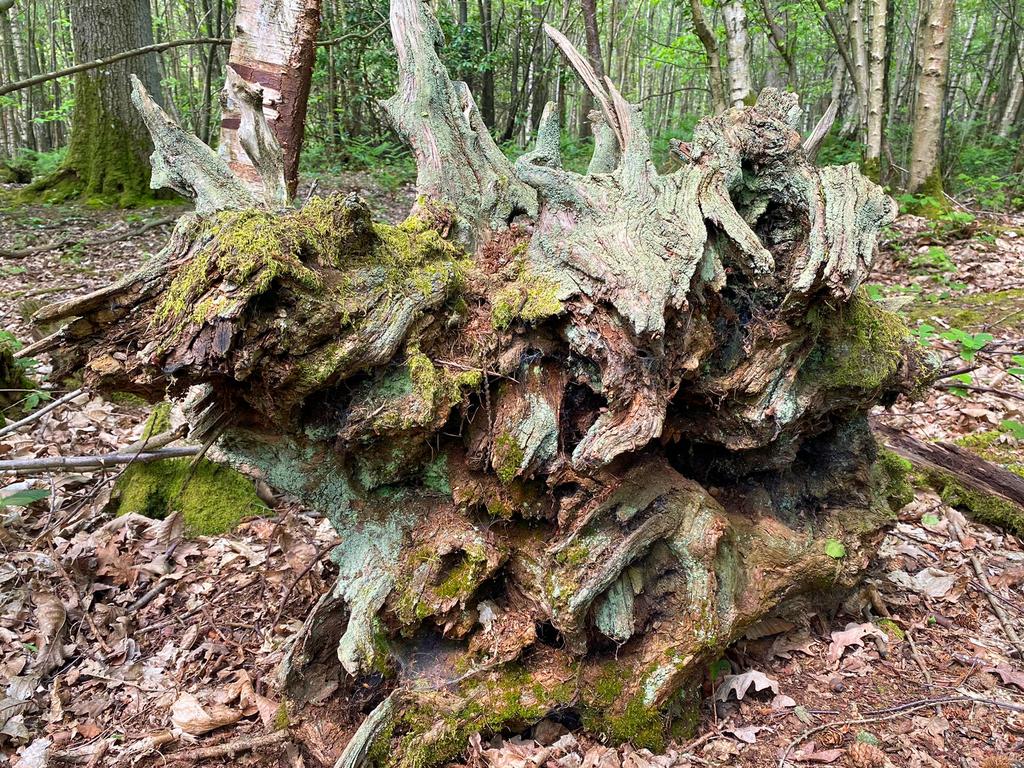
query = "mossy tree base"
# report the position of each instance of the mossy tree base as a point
(570, 459)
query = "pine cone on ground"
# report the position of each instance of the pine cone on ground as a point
(864, 755)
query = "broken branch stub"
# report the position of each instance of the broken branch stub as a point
(457, 161)
(570, 465)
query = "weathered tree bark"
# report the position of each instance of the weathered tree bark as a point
(108, 152)
(272, 55)
(578, 432)
(926, 142)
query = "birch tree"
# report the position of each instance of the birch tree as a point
(925, 172)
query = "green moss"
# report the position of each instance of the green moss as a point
(575, 555)
(995, 310)
(872, 168)
(529, 298)
(212, 501)
(508, 457)
(463, 579)
(636, 723)
(930, 197)
(892, 475)
(858, 347)
(159, 421)
(12, 376)
(281, 719)
(891, 628)
(985, 507)
(433, 736)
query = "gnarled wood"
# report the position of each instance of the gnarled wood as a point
(570, 465)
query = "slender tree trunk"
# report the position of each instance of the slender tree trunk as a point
(487, 76)
(859, 45)
(926, 143)
(1016, 91)
(710, 43)
(593, 44)
(737, 48)
(274, 46)
(876, 89)
(990, 67)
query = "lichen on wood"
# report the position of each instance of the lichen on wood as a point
(572, 456)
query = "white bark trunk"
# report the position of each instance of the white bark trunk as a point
(931, 91)
(1016, 95)
(876, 81)
(737, 48)
(273, 48)
(860, 59)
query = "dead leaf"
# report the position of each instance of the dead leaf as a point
(1009, 675)
(740, 684)
(932, 582)
(747, 733)
(825, 756)
(782, 701)
(853, 635)
(192, 717)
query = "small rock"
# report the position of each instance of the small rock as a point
(548, 731)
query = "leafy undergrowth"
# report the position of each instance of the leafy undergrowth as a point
(123, 640)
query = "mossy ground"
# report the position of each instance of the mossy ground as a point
(212, 501)
(990, 311)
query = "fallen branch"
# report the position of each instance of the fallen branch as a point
(967, 468)
(230, 748)
(92, 462)
(14, 426)
(97, 63)
(61, 243)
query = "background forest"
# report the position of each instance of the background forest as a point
(681, 59)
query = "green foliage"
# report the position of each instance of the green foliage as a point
(23, 498)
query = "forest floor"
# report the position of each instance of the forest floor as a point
(159, 647)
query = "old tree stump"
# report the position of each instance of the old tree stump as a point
(577, 433)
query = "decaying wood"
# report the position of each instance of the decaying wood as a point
(577, 432)
(967, 468)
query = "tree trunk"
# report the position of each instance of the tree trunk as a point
(107, 155)
(710, 43)
(859, 45)
(578, 433)
(593, 40)
(1016, 92)
(273, 49)
(737, 47)
(876, 90)
(926, 142)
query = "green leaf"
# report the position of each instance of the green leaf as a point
(930, 519)
(1014, 427)
(23, 498)
(835, 549)
(718, 669)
